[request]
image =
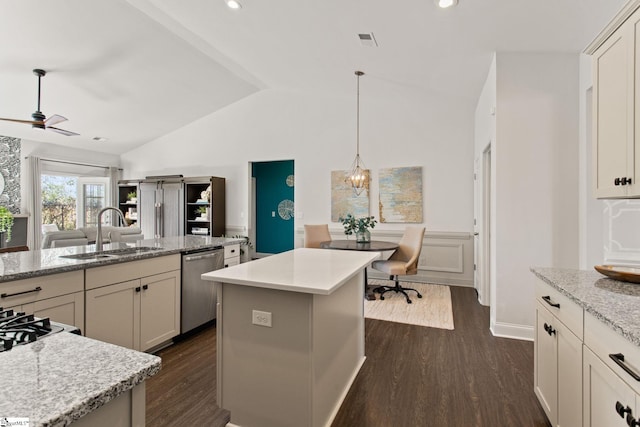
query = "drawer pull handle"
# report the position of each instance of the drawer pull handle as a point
(621, 410)
(619, 359)
(547, 299)
(145, 287)
(137, 288)
(632, 422)
(549, 329)
(36, 289)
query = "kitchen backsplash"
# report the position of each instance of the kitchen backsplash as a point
(622, 231)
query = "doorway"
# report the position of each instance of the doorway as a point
(482, 226)
(272, 195)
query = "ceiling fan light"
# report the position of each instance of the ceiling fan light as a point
(446, 3)
(233, 4)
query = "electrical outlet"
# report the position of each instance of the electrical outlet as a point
(261, 318)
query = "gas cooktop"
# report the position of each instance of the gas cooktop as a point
(19, 328)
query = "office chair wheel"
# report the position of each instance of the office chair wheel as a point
(419, 295)
(381, 297)
(409, 301)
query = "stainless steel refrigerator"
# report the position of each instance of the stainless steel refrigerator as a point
(161, 208)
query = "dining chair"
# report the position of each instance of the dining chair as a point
(314, 234)
(403, 262)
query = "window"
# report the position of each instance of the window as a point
(73, 194)
(92, 197)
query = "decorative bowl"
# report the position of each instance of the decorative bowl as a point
(619, 272)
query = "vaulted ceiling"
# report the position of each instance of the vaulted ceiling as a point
(133, 70)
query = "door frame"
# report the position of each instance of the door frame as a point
(482, 226)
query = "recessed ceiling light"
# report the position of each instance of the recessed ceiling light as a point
(233, 4)
(99, 138)
(446, 3)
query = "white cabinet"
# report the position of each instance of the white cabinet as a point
(58, 296)
(558, 356)
(231, 255)
(611, 376)
(616, 120)
(128, 305)
(608, 400)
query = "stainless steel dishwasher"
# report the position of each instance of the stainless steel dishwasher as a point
(199, 296)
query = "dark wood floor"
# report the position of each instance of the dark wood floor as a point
(183, 393)
(413, 376)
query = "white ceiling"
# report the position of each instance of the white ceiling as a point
(133, 70)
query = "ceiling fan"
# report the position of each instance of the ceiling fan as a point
(40, 121)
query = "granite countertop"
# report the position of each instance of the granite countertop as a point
(313, 271)
(23, 265)
(63, 377)
(615, 303)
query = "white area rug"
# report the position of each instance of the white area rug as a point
(432, 310)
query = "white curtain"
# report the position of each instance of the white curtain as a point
(34, 202)
(114, 177)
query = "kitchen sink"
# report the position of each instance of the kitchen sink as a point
(112, 253)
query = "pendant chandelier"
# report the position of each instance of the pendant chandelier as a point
(359, 175)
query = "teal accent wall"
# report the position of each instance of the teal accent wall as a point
(274, 206)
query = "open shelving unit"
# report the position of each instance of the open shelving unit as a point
(128, 207)
(204, 210)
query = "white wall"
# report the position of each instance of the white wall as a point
(399, 126)
(535, 154)
(592, 210)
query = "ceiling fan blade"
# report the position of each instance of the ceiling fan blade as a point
(54, 120)
(62, 131)
(31, 122)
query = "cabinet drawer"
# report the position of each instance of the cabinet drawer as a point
(604, 341)
(567, 311)
(231, 251)
(228, 262)
(38, 288)
(131, 270)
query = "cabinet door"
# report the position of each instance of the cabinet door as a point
(569, 377)
(613, 115)
(159, 309)
(603, 391)
(67, 309)
(113, 314)
(546, 363)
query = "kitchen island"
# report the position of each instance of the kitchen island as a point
(67, 378)
(64, 378)
(290, 336)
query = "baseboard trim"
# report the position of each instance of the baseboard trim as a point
(513, 331)
(424, 277)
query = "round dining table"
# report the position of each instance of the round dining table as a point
(352, 245)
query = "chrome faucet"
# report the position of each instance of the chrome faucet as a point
(99, 235)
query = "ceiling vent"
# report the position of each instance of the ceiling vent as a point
(368, 39)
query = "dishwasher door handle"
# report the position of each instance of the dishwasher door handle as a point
(197, 257)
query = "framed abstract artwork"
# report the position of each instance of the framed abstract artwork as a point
(344, 200)
(400, 195)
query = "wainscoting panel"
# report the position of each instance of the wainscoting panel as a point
(446, 257)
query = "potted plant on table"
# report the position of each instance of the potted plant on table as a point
(358, 226)
(6, 224)
(132, 197)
